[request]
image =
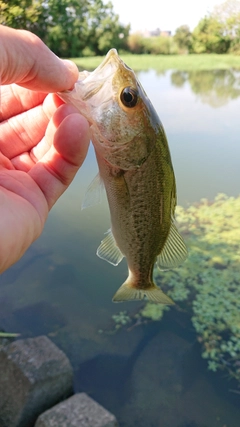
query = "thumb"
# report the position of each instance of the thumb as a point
(27, 61)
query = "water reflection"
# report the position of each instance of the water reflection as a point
(62, 289)
(215, 87)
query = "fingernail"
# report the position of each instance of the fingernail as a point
(73, 76)
(70, 65)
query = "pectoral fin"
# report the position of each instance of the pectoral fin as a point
(93, 195)
(109, 251)
(174, 251)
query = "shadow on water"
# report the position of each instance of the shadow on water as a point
(41, 318)
(12, 274)
(107, 377)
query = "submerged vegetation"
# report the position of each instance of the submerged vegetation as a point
(8, 335)
(207, 285)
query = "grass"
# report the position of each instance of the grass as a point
(167, 62)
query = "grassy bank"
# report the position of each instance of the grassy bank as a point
(167, 62)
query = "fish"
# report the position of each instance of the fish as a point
(136, 170)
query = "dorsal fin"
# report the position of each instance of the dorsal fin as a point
(174, 251)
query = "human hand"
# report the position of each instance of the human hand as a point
(43, 142)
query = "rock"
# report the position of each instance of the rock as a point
(35, 375)
(77, 411)
(162, 395)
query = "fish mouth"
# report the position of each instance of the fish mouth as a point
(92, 82)
(111, 58)
(89, 84)
(102, 84)
(107, 67)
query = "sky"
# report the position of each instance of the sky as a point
(166, 15)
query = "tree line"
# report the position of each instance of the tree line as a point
(217, 32)
(73, 28)
(70, 28)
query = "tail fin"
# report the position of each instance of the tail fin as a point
(127, 293)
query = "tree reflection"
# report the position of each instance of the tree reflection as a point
(214, 87)
(178, 78)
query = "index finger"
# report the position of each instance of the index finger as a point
(27, 61)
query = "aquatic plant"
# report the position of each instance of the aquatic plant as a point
(153, 311)
(121, 319)
(208, 283)
(8, 335)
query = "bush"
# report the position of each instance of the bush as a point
(152, 45)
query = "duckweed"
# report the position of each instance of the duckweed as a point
(153, 311)
(121, 318)
(208, 283)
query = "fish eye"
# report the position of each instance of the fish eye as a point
(129, 97)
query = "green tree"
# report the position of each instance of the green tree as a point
(183, 38)
(228, 13)
(210, 37)
(20, 13)
(68, 27)
(104, 29)
(222, 12)
(61, 24)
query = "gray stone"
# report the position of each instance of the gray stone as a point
(77, 411)
(35, 375)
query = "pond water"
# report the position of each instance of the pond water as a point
(151, 375)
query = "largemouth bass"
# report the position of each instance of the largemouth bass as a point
(136, 169)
